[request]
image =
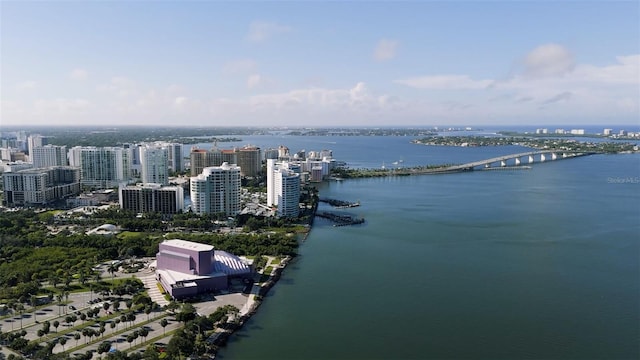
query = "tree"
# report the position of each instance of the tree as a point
(76, 336)
(63, 341)
(112, 325)
(187, 313)
(56, 323)
(130, 340)
(20, 309)
(164, 323)
(59, 298)
(104, 347)
(147, 310)
(113, 268)
(34, 302)
(143, 333)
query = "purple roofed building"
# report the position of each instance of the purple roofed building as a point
(186, 268)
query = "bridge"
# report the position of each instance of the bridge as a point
(512, 161)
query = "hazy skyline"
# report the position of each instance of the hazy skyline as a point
(320, 63)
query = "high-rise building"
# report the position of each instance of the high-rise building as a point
(249, 161)
(102, 167)
(176, 158)
(48, 155)
(283, 189)
(36, 140)
(40, 186)
(201, 159)
(152, 198)
(216, 190)
(154, 161)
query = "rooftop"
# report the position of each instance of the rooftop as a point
(188, 245)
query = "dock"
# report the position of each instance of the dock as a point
(340, 219)
(339, 204)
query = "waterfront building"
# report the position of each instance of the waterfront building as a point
(102, 167)
(48, 155)
(607, 132)
(283, 189)
(560, 131)
(176, 159)
(186, 268)
(270, 154)
(577, 132)
(37, 187)
(283, 152)
(154, 162)
(249, 160)
(143, 198)
(216, 190)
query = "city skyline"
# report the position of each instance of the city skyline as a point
(320, 64)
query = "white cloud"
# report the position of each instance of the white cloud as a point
(548, 60)
(240, 66)
(254, 81)
(445, 82)
(62, 105)
(79, 74)
(27, 85)
(385, 50)
(260, 31)
(120, 86)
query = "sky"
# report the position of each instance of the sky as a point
(319, 63)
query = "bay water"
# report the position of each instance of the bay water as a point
(528, 264)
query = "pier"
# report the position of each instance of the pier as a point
(339, 204)
(340, 219)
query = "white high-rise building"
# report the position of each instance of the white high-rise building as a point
(102, 167)
(216, 190)
(154, 161)
(35, 140)
(283, 189)
(48, 155)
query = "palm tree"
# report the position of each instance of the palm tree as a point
(34, 302)
(63, 341)
(112, 269)
(20, 309)
(164, 323)
(56, 323)
(59, 297)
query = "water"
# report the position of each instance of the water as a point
(531, 264)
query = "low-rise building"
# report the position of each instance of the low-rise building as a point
(186, 268)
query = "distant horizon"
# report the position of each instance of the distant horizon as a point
(280, 128)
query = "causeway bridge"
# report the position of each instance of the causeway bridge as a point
(513, 160)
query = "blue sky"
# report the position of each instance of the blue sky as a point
(320, 63)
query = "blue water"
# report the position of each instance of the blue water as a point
(530, 264)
